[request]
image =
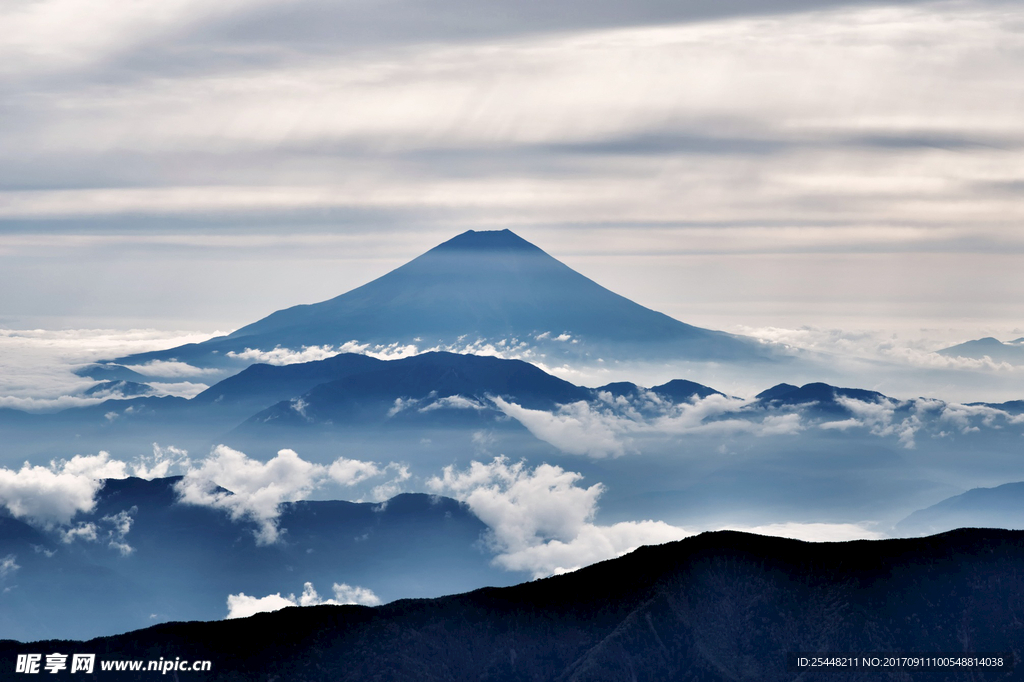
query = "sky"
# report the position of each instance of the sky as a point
(740, 165)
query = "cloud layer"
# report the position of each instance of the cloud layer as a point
(808, 133)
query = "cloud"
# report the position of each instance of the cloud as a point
(399, 475)
(814, 532)
(348, 594)
(160, 463)
(287, 356)
(349, 472)
(591, 545)
(112, 528)
(575, 428)
(8, 565)
(452, 402)
(608, 426)
(540, 520)
(83, 531)
(171, 369)
(120, 523)
(504, 348)
(251, 490)
(52, 495)
(182, 389)
(254, 490)
(242, 606)
(879, 418)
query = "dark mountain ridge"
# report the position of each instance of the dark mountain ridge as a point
(718, 606)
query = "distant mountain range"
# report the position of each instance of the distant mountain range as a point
(714, 607)
(489, 286)
(1011, 352)
(999, 507)
(433, 389)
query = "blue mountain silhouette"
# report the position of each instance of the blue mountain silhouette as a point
(478, 285)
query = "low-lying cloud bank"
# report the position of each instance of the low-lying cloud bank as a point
(37, 366)
(541, 519)
(613, 426)
(242, 605)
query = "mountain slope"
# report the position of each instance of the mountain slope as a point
(435, 385)
(714, 607)
(478, 285)
(1000, 507)
(1011, 352)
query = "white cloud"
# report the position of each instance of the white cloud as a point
(83, 531)
(171, 369)
(608, 426)
(257, 489)
(575, 428)
(591, 545)
(8, 565)
(385, 491)
(181, 389)
(160, 463)
(112, 528)
(48, 496)
(814, 532)
(53, 35)
(540, 520)
(121, 524)
(92, 466)
(348, 594)
(287, 356)
(37, 366)
(452, 402)
(879, 418)
(242, 606)
(349, 472)
(254, 491)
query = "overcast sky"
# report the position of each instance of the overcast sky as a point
(197, 165)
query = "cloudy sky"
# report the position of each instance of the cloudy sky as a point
(193, 165)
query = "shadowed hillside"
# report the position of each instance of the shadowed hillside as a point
(719, 606)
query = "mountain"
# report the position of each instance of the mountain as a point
(141, 555)
(1011, 352)
(681, 390)
(426, 386)
(714, 607)
(109, 372)
(121, 388)
(999, 507)
(260, 386)
(492, 286)
(817, 396)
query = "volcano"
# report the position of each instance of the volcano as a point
(491, 287)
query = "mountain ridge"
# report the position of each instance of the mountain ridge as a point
(717, 606)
